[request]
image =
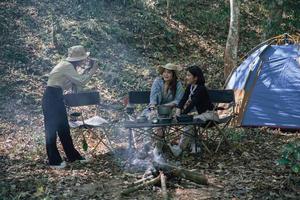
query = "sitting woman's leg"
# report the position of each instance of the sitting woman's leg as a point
(187, 140)
(158, 143)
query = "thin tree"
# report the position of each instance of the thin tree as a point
(230, 55)
(168, 9)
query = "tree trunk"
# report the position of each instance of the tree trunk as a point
(54, 31)
(230, 55)
(168, 9)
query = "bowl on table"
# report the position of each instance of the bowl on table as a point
(164, 110)
(141, 119)
(75, 116)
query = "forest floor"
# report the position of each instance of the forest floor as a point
(129, 41)
(244, 170)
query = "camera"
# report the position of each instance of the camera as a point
(92, 61)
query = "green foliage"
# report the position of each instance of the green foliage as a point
(290, 157)
(84, 144)
(283, 16)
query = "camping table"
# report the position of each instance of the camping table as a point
(167, 128)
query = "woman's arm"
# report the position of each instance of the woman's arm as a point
(196, 99)
(179, 92)
(155, 91)
(178, 95)
(79, 79)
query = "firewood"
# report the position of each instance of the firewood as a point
(183, 173)
(138, 182)
(137, 187)
(163, 186)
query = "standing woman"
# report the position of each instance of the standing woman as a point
(63, 76)
(195, 97)
(166, 90)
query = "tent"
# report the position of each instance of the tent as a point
(267, 87)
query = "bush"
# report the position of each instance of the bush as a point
(290, 157)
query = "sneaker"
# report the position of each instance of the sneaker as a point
(157, 152)
(195, 150)
(175, 149)
(62, 165)
(158, 155)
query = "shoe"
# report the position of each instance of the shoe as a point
(62, 165)
(158, 155)
(175, 149)
(194, 150)
(157, 152)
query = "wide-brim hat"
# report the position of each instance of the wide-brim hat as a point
(170, 66)
(77, 53)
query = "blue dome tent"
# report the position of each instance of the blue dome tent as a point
(267, 86)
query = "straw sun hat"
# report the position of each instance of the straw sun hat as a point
(77, 53)
(169, 66)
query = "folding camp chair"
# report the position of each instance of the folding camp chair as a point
(90, 125)
(223, 101)
(135, 98)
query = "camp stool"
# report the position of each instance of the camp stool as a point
(88, 127)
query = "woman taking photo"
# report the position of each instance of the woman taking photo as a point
(63, 76)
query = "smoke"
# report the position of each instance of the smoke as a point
(141, 157)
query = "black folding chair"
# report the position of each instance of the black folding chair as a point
(135, 98)
(224, 101)
(88, 125)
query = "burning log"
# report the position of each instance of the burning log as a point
(183, 173)
(163, 185)
(140, 186)
(160, 171)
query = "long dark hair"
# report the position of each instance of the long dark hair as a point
(173, 84)
(196, 71)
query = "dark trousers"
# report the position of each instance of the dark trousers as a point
(56, 123)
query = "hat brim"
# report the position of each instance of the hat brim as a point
(163, 67)
(72, 59)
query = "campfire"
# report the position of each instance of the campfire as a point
(159, 173)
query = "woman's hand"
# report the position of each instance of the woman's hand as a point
(169, 104)
(177, 112)
(93, 61)
(153, 113)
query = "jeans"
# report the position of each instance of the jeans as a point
(56, 123)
